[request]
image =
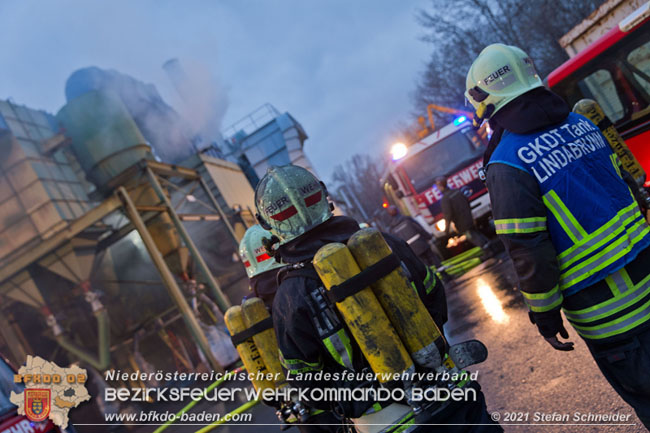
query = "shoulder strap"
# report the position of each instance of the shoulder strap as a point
(364, 279)
(306, 271)
(260, 326)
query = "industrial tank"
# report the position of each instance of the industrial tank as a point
(105, 138)
(107, 141)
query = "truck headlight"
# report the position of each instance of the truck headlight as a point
(441, 225)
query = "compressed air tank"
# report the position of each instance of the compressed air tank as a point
(405, 310)
(250, 355)
(105, 139)
(364, 315)
(265, 341)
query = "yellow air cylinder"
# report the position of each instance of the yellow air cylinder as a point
(402, 305)
(591, 110)
(363, 314)
(250, 356)
(265, 341)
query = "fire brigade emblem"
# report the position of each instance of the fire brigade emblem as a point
(37, 404)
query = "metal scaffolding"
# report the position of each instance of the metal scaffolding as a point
(166, 181)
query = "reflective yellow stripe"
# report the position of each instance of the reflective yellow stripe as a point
(338, 345)
(623, 300)
(599, 237)
(605, 257)
(571, 227)
(300, 366)
(520, 225)
(623, 324)
(429, 281)
(541, 302)
(616, 164)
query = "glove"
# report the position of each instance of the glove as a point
(549, 324)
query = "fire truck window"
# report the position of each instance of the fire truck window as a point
(447, 156)
(601, 85)
(639, 58)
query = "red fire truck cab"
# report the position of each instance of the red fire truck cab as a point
(615, 71)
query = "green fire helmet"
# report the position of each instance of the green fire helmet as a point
(290, 200)
(498, 75)
(253, 254)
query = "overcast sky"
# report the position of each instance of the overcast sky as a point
(344, 69)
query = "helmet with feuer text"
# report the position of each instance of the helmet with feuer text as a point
(499, 74)
(290, 201)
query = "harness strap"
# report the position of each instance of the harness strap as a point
(261, 326)
(364, 279)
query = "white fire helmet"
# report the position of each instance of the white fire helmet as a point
(290, 201)
(253, 254)
(499, 74)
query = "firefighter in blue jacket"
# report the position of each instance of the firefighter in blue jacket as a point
(567, 216)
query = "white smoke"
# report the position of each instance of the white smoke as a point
(205, 98)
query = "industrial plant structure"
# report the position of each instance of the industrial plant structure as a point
(112, 256)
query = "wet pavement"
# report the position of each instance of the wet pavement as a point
(523, 373)
(523, 377)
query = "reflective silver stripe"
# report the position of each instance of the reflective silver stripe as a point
(600, 311)
(602, 260)
(619, 281)
(340, 348)
(563, 219)
(599, 238)
(520, 227)
(608, 330)
(540, 305)
(413, 239)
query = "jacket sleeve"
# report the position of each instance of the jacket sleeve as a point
(520, 221)
(634, 188)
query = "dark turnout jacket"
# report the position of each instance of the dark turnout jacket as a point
(311, 334)
(516, 196)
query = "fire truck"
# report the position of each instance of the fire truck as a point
(610, 63)
(455, 151)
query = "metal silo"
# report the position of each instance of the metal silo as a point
(105, 138)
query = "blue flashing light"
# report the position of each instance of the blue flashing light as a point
(459, 120)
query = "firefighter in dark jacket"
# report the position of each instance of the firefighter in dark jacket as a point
(262, 272)
(456, 209)
(568, 219)
(312, 337)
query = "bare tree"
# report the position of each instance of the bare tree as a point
(356, 186)
(458, 33)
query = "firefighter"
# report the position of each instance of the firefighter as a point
(262, 271)
(568, 219)
(456, 209)
(312, 337)
(409, 230)
(261, 268)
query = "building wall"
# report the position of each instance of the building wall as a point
(278, 141)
